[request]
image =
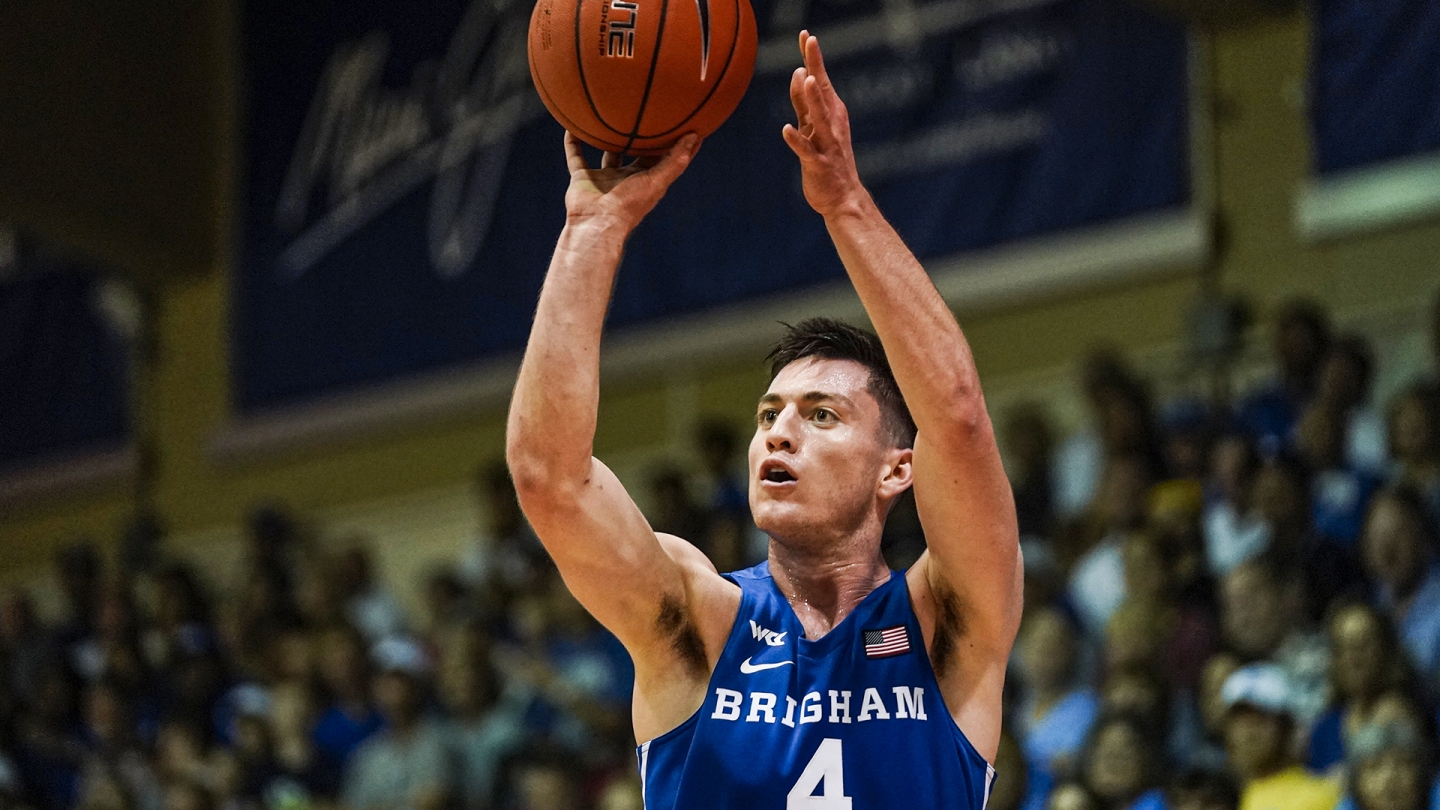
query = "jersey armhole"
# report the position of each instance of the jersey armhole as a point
(746, 600)
(959, 733)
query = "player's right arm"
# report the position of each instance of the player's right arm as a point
(659, 596)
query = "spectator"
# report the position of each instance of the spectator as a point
(1262, 619)
(1339, 491)
(1398, 554)
(1009, 787)
(1202, 790)
(371, 608)
(673, 510)
(1056, 709)
(1302, 343)
(1124, 764)
(182, 795)
(1030, 446)
(25, 648)
(349, 718)
(719, 445)
(1072, 796)
(1135, 637)
(506, 557)
(1152, 577)
(581, 673)
(406, 766)
(181, 627)
(732, 541)
(182, 755)
(1363, 667)
(79, 571)
(1234, 530)
(117, 763)
(624, 793)
(542, 779)
(1345, 386)
(1120, 424)
(1390, 769)
(486, 720)
(447, 604)
(1259, 724)
(1208, 752)
(1415, 443)
(1097, 583)
(303, 776)
(317, 596)
(49, 751)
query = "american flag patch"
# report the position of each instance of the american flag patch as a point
(886, 642)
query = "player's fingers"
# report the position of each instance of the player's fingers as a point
(804, 35)
(814, 61)
(797, 94)
(819, 113)
(611, 160)
(674, 162)
(798, 143)
(574, 158)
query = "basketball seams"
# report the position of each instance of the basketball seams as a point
(649, 77)
(585, 86)
(724, 71)
(618, 85)
(564, 119)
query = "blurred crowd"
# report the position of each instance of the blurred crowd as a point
(1230, 602)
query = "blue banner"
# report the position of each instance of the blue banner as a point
(404, 184)
(64, 367)
(1376, 81)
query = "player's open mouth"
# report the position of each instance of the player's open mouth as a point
(773, 472)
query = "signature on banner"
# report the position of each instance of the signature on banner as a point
(366, 146)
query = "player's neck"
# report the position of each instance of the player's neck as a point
(823, 590)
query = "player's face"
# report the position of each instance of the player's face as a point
(821, 464)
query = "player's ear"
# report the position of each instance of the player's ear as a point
(898, 474)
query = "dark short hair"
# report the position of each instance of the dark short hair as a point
(830, 339)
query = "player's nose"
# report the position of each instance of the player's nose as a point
(784, 432)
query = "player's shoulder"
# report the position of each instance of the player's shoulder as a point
(700, 573)
(684, 553)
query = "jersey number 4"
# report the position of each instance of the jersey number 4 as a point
(827, 767)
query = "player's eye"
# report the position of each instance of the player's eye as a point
(824, 415)
(766, 416)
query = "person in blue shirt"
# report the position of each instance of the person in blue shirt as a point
(1398, 554)
(819, 677)
(1364, 664)
(1302, 342)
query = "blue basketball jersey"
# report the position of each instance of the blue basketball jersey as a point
(850, 721)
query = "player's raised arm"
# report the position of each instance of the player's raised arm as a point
(610, 559)
(972, 569)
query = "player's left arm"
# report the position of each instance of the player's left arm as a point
(969, 580)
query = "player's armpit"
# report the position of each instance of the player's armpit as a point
(968, 585)
(658, 595)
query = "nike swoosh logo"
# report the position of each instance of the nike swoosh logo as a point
(747, 668)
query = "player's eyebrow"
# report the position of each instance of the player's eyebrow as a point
(809, 397)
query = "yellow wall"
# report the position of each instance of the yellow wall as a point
(1259, 158)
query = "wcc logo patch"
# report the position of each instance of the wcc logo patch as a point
(770, 637)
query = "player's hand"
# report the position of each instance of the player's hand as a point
(619, 194)
(821, 138)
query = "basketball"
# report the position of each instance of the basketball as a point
(633, 76)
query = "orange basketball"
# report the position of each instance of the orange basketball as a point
(634, 75)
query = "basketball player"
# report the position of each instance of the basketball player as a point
(820, 679)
